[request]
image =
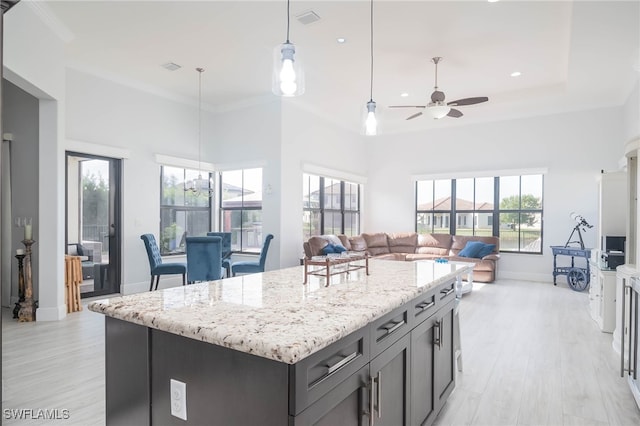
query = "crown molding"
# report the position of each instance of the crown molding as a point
(50, 19)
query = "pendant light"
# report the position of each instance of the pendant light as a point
(200, 185)
(287, 77)
(370, 122)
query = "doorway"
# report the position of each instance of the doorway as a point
(93, 217)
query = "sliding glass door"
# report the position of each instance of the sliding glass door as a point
(93, 220)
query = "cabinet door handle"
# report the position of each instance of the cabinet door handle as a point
(395, 326)
(436, 333)
(341, 363)
(379, 398)
(445, 293)
(426, 305)
(371, 407)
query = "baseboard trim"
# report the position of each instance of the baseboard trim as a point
(526, 276)
(51, 314)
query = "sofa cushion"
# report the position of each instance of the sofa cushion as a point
(376, 243)
(422, 256)
(316, 244)
(472, 249)
(486, 250)
(344, 240)
(358, 243)
(459, 241)
(402, 242)
(435, 244)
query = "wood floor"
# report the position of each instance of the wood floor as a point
(531, 353)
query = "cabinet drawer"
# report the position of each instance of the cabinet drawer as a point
(388, 329)
(317, 374)
(446, 294)
(424, 306)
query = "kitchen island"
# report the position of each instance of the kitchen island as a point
(266, 349)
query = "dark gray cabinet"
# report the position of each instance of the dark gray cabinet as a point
(390, 385)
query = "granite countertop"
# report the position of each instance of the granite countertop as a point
(272, 314)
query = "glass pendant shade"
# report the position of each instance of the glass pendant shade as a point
(438, 111)
(370, 121)
(288, 76)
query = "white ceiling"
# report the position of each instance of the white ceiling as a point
(572, 54)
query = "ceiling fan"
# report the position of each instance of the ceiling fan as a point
(437, 108)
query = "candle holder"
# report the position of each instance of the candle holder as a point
(27, 311)
(16, 310)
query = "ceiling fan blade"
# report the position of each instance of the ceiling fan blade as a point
(437, 96)
(407, 106)
(455, 113)
(417, 114)
(468, 101)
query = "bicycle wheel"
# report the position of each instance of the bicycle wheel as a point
(577, 279)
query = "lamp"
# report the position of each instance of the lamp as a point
(287, 78)
(370, 122)
(200, 185)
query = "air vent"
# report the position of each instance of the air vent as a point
(171, 66)
(308, 17)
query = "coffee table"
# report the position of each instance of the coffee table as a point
(328, 262)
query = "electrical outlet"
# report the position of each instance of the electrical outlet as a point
(178, 399)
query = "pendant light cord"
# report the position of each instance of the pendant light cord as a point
(371, 87)
(200, 71)
(287, 21)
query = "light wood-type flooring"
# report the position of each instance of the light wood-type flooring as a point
(531, 353)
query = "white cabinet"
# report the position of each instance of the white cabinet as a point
(602, 298)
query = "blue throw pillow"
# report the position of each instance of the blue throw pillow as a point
(486, 250)
(329, 248)
(471, 249)
(339, 248)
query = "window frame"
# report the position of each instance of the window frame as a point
(323, 211)
(242, 208)
(175, 209)
(493, 214)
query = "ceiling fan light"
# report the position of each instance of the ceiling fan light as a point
(438, 111)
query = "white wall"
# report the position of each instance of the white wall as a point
(310, 140)
(33, 61)
(574, 147)
(631, 115)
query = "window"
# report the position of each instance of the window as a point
(330, 206)
(182, 213)
(475, 203)
(241, 208)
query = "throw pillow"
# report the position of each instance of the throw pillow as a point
(486, 250)
(339, 248)
(471, 249)
(80, 250)
(329, 248)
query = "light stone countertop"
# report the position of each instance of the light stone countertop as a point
(272, 314)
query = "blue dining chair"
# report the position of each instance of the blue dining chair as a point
(248, 267)
(155, 262)
(226, 249)
(204, 259)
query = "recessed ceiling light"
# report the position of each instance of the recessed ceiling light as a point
(341, 40)
(493, 1)
(171, 66)
(404, 95)
(516, 74)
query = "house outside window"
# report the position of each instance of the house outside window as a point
(182, 212)
(509, 207)
(330, 206)
(241, 208)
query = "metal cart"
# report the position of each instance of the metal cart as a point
(577, 278)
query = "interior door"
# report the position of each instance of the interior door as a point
(93, 217)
